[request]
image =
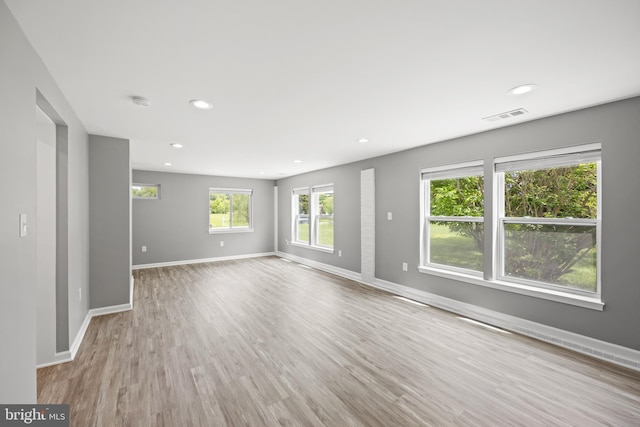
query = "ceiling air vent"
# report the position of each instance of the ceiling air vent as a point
(507, 115)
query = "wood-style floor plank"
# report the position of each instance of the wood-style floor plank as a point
(265, 342)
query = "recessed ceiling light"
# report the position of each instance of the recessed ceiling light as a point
(522, 89)
(167, 164)
(176, 145)
(261, 172)
(141, 101)
(297, 161)
(199, 103)
(363, 140)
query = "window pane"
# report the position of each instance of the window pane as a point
(302, 228)
(324, 218)
(556, 254)
(240, 210)
(141, 191)
(302, 218)
(325, 230)
(219, 210)
(456, 244)
(457, 197)
(552, 193)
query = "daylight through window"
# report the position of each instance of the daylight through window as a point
(229, 210)
(453, 225)
(312, 216)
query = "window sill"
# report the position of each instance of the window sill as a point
(315, 248)
(231, 230)
(593, 303)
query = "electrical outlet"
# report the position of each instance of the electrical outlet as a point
(144, 249)
(221, 243)
(339, 252)
(389, 216)
(405, 266)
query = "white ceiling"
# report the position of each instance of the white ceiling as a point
(304, 80)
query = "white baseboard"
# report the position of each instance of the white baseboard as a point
(598, 349)
(199, 261)
(58, 358)
(69, 356)
(348, 274)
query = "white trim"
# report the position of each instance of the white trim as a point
(314, 247)
(58, 358)
(613, 353)
(275, 218)
(603, 350)
(585, 301)
(131, 291)
(536, 155)
(199, 261)
(347, 274)
(230, 230)
(70, 355)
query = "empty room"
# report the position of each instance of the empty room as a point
(320, 213)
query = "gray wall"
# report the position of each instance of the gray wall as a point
(175, 227)
(21, 74)
(615, 125)
(110, 218)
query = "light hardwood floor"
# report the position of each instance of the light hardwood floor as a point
(265, 342)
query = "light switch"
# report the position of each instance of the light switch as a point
(23, 225)
(389, 216)
(144, 249)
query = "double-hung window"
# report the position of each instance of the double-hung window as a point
(452, 228)
(548, 220)
(230, 210)
(312, 216)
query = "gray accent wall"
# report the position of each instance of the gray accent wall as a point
(176, 227)
(22, 75)
(616, 126)
(110, 218)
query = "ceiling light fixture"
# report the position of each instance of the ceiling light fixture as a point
(141, 101)
(363, 140)
(199, 103)
(522, 89)
(167, 164)
(297, 161)
(176, 145)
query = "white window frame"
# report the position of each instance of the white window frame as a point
(314, 217)
(491, 277)
(231, 192)
(136, 184)
(459, 170)
(571, 156)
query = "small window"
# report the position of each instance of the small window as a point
(549, 220)
(453, 224)
(145, 191)
(229, 210)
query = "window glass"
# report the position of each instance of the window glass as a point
(229, 209)
(549, 228)
(454, 218)
(145, 191)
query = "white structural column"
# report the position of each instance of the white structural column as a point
(368, 225)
